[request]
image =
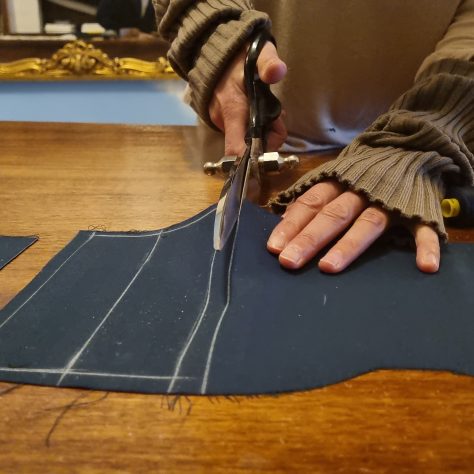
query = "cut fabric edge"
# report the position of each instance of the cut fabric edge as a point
(28, 242)
(114, 384)
(81, 238)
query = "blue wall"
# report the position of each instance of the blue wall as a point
(129, 102)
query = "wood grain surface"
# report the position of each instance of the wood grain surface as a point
(59, 178)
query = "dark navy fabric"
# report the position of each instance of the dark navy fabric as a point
(11, 247)
(162, 312)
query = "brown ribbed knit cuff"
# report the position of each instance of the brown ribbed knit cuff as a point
(224, 43)
(205, 35)
(401, 160)
(197, 25)
(407, 183)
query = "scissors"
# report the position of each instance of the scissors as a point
(244, 177)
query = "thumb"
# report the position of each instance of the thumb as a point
(271, 68)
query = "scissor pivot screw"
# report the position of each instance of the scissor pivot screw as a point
(274, 162)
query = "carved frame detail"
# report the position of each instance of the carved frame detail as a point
(80, 60)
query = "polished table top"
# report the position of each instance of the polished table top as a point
(60, 178)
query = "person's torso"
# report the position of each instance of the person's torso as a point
(348, 60)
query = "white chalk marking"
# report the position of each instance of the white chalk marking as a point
(78, 354)
(89, 374)
(195, 328)
(45, 282)
(221, 318)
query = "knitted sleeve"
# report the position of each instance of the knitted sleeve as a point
(404, 159)
(204, 36)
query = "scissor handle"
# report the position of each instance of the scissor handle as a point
(264, 107)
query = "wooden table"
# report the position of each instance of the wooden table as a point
(59, 178)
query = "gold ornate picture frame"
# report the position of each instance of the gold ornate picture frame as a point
(80, 60)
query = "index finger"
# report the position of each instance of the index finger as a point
(320, 231)
(302, 211)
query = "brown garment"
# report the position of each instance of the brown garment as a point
(204, 36)
(348, 61)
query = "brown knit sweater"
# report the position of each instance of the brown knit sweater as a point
(401, 161)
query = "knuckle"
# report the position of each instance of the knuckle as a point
(236, 98)
(427, 236)
(233, 108)
(229, 102)
(431, 247)
(336, 212)
(233, 96)
(307, 240)
(349, 245)
(312, 200)
(433, 240)
(375, 217)
(433, 250)
(291, 226)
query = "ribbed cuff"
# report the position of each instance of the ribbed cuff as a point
(205, 36)
(223, 44)
(196, 27)
(407, 183)
(401, 161)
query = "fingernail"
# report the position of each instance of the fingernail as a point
(292, 254)
(277, 241)
(333, 258)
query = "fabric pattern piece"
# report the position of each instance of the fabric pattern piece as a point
(11, 247)
(162, 312)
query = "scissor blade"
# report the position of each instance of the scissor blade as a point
(230, 203)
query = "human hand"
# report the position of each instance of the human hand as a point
(228, 108)
(324, 212)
